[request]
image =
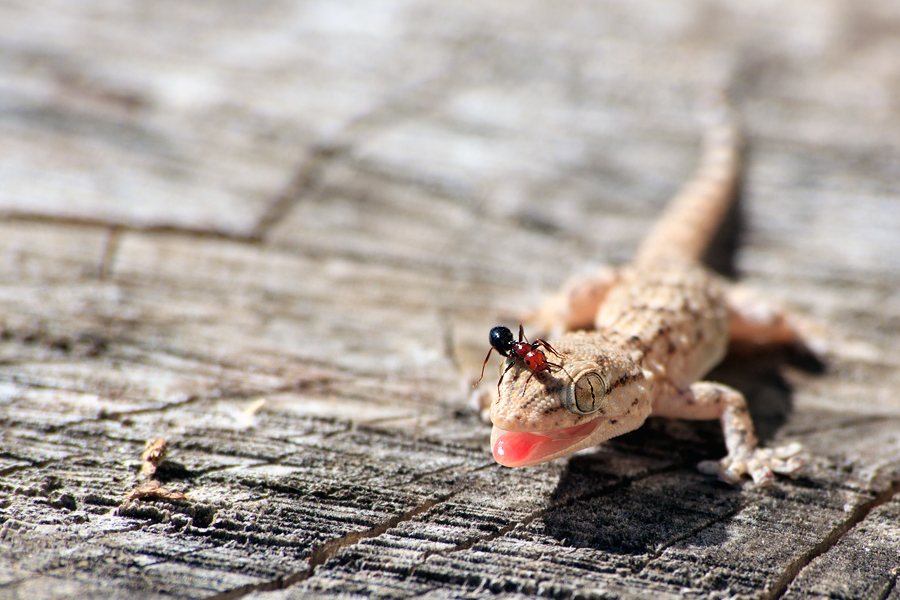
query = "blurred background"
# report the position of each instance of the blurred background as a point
(503, 143)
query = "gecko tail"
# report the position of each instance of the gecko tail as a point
(694, 215)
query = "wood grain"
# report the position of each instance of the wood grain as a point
(327, 204)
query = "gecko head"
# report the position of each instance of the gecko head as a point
(597, 395)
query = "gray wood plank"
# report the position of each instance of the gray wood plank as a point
(327, 204)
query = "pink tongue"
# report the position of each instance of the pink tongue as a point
(520, 448)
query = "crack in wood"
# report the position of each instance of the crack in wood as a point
(123, 414)
(776, 590)
(320, 554)
(305, 179)
(889, 588)
(554, 506)
(25, 217)
(109, 415)
(720, 519)
(307, 176)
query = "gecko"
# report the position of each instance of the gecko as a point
(638, 342)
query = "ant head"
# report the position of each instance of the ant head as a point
(502, 340)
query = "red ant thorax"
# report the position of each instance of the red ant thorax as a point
(531, 353)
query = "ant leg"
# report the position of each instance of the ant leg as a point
(524, 387)
(561, 368)
(544, 367)
(544, 344)
(502, 375)
(483, 365)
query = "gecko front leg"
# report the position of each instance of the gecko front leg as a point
(705, 401)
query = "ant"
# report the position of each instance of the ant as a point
(530, 352)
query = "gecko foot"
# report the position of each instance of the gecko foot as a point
(761, 464)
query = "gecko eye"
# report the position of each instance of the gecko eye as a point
(586, 394)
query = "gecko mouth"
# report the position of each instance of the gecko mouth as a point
(523, 448)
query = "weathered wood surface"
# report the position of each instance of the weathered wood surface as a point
(328, 203)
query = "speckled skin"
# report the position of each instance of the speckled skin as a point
(659, 326)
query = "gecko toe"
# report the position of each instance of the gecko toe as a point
(726, 470)
(788, 451)
(761, 465)
(762, 475)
